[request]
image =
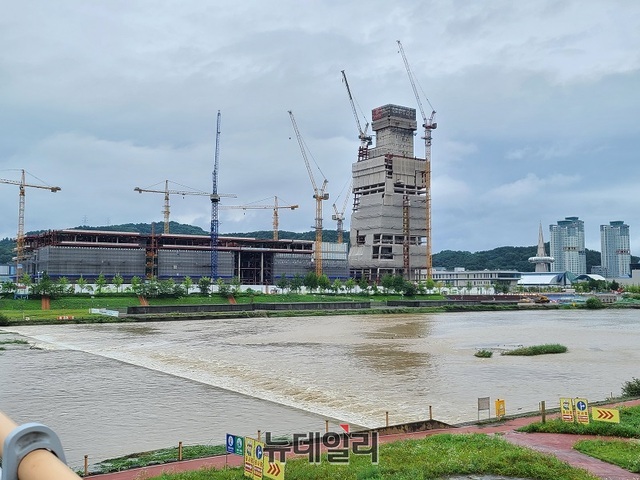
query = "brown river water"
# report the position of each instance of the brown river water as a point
(113, 389)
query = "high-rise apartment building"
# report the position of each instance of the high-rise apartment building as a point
(388, 223)
(567, 246)
(616, 252)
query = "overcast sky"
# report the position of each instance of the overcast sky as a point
(537, 109)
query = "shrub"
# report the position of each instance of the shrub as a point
(537, 350)
(631, 388)
(594, 303)
(483, 353)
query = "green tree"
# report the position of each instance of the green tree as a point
(187, 282)
(337, 286)
(224, 290)
(151, 287)
(387, 282)
(204, 284)
(350, 285)
(324, 283)
(101, 283)
(63, 285)
(136, 285)
(283, 283)
(45, 287)
(166, 288)
(81, 283)
(236, 286)
(399, 283)
(410, 289)
(297, 283)
(364, 286)
(117, 281)
(26, 280)
(311, 281)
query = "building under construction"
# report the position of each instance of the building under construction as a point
(388, 223)
(89, 253)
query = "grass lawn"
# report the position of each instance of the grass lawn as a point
(79, 305)
(625, 454)
(437, 456)
(618, 452)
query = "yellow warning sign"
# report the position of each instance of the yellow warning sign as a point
(253, 458)
(500, 408)
(273, 470)
(566, 409)
(610, 415)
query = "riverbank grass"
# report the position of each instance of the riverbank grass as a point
(545, 349)
(617, 452)
(438, 456)
(156, 457)
(625, 454)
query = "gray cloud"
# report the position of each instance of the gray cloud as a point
(537, 106)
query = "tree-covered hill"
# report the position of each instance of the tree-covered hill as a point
(501, 258)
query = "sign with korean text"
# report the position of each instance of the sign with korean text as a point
(581, 406)
(566, 409)
(253, 458)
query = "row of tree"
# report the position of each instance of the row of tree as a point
(46, 286)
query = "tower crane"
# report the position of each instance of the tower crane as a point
(338, 216)
(428, 124)
(318, 193)
(20, 236)
(215, 201)
(275, 208)
(167, 192)
(365, 140)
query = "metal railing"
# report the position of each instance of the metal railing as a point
(31, 452)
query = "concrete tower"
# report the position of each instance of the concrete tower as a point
(388, 223)
(567, 246)
(541, 260)
(616, 253)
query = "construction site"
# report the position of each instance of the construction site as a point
(89, 253)
(390, 230)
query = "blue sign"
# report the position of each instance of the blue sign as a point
(259, 452)
(231, 443)
(581, 406)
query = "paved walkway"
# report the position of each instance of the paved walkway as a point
(560, 445)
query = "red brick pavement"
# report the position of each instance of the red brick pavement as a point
(559, 445)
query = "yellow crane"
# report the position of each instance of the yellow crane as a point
(20, 237)
(318, 193)
(167, 192)
(428, 124)
(338, 216)
(275, 208)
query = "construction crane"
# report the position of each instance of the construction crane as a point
(275, 208)
(428, 124)
(215, 201)
(318, 193)
(20, 236)
(167, 193)
(365, 140)
(338, 216)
